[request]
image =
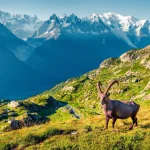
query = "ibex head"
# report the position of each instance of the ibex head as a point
(104, 96)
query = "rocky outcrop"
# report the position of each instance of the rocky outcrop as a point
(129, 56)
(68, 88)
(147, 86)
(147, 97)
(14, 104)
(72, 111)
(142, 55)
(107, 63)
(15, 124)
(29, 120)
(146, 62)
(32, 119)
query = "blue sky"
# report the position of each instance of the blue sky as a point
(44, 8)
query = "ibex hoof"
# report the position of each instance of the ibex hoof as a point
(130, 128)
(114, 130)
(105, 128)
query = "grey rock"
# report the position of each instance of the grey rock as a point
(14, 104)
(129, 56)
(107, 63)
(147, 86)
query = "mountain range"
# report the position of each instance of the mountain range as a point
(133, 31)
(68, 46)
(23, 26)
(62, 47)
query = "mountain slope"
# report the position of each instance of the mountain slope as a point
(75, 52)
(131, 69)
(78, 97)
(19, 47)
(80, 44)
(15, 74)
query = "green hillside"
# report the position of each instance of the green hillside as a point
(69, 116)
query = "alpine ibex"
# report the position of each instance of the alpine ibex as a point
(115, 109)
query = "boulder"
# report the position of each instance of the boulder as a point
(14, 124)
(147, 97)
(146, 62)
(14, 104)
(135, 80)
(129, 56)
(32, 119)
(68, 88)
(107, 63)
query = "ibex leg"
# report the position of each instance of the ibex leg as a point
(134, 119)
(136, 123)
(107, 121)
(113, 122)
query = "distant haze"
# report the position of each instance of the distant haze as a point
(44, 8)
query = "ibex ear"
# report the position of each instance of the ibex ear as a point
(108, 94)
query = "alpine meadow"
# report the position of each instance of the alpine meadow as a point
(70, 82)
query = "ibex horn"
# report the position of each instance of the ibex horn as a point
(110, 85)
(99, 87)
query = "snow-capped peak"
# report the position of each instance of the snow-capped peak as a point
(123, 22)
(53, 17)
(63, 16)
(17, 16)
(4, 17)
(94, 17)
(124, 27)
(22, 26)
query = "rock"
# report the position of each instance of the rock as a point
(107, 63)
(32, 119)
(146, 62)
(147, 97)
(147, 86)
(68, 88)
(74, 132)
(145, 59)
(135, 80)
(129, 56)
(142, 55)
(72, 111)
(93, 74)
(29, 120)
(14, 104)
(126, 89)
(140, 96)
(5, 128)
(14, 124)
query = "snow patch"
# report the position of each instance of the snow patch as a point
(22, 52)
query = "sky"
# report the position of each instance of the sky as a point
(82, 8)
